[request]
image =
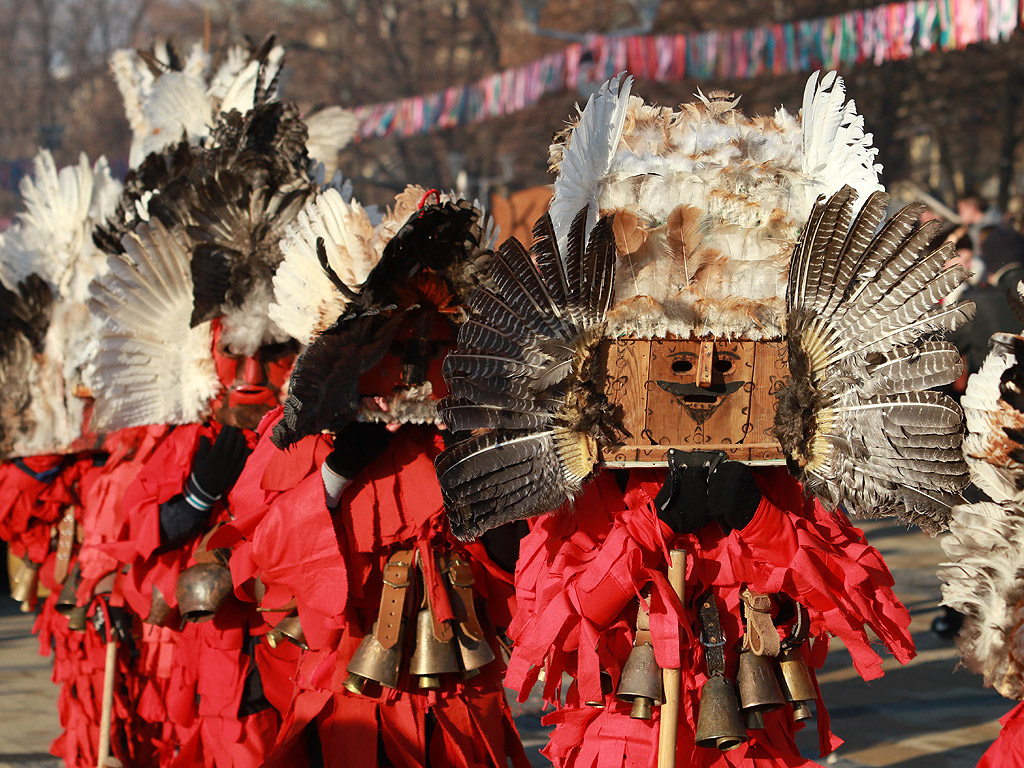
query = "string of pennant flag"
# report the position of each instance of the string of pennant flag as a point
(887, 32)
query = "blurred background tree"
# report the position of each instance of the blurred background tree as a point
(945, 122)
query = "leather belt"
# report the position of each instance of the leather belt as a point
(397, 576)
(460, 576)
(65, 544)
(711, 636)
(761, 636)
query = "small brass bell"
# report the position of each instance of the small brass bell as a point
(473, 653)
(201, 589)
(159, 610)
(372, 661)
(67, 600)
(641, 682)
(26, 585)
(758, 686)
(290, 629)
(796, 682)
(753, 720)
(801, 711)
(432, 657)
(719, 724)
(77, 619)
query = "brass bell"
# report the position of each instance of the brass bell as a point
(26, 585)
(290, 629)
(753, 720)
(801, 711)
(372, 661)
(67, 600)
(473, 653)
(201, 589)
(755, 678)
(641, 682)
(159, 610)
(797, 683)
(77, 619)
(719, 724)
(432, 657)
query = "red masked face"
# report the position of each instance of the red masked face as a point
(253, 384)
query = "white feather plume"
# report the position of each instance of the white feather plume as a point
(151, 367)
(738, 187)
(330, 131)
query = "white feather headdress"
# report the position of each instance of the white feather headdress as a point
(151, 366)
(708, 202)
(52, 239)
(164, 105)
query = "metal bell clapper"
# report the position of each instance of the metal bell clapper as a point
(758, 686)
(640, 682)
(719, 724)
(372, 661)
(77, 618)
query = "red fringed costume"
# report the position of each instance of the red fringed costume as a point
(579, 578)
(196, 678)
(331, 567)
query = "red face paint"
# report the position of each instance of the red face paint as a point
(252, 383)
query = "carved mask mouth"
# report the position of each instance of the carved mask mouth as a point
(701, 402)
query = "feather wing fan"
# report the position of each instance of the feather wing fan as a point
(523, 380)
(857, 422)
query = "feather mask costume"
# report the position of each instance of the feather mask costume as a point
(197, 238)
(47, 259)
(377, 304)
(723, 228)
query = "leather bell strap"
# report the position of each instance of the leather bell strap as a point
(799, 629)
(65, 545)
(711, 636)
(397, 577)
(643, 625)
(203, 554)
(761, 636)
(443, 631)
(460, 576)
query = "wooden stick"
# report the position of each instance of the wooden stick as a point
(668, 725)
(103, 750)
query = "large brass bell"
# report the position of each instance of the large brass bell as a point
(290, 629)
(159, 610)
(26, 585)
(797, 683)
(372, 661)
(68, 597)
(201, 589)
(473, 653)
(77, 618)
(640, 683)
(432, 656)
(719, 724)
(758, 686)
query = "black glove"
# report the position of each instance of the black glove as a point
(357, 446)
(682, 501)
(733, 495)
(216, 467)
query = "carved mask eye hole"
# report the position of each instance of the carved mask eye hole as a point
(723, 365)
(682, 365)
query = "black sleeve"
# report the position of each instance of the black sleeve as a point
(502, 543)
(180, 522)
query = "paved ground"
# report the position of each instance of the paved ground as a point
(924, 715)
